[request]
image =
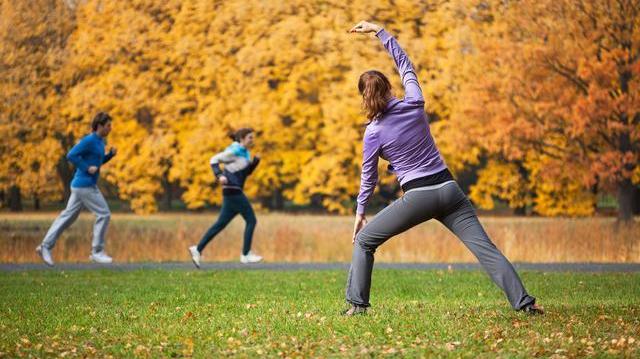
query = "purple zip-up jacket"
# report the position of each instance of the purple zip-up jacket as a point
(401, 135)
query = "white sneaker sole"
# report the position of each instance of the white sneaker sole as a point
(250, 262)
(100, 261)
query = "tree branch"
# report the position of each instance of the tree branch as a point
(568, 74)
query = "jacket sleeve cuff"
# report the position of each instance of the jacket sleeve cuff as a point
(383, 35)
(216, 170)
(360, 209)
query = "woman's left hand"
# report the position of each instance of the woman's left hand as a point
(360, 222)
(364, 27)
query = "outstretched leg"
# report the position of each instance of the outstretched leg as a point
(411, 209)
(64, 220)
(93, 199)
(250, 218)
(461, 219)
(227, 212)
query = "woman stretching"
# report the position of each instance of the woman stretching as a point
(398, 132)
(237, 167)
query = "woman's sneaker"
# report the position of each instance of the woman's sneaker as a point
(533, 309)
(354, 310)
(100, 257)
(250, 258)
(195, 255)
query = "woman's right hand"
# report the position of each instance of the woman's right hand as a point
(223, 180)
(360, 222)
(364, 27)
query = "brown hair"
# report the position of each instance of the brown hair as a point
(240, 133)
(375, 89)
(100, 119)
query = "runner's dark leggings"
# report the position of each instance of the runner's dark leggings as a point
(231, 206)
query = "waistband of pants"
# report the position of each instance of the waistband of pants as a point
(95, 186)
(430, 180)
(432, 187)
(231, 191)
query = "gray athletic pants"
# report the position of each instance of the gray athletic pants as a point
(448, 204)
(92, 199)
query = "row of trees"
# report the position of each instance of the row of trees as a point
(557, 89)
(541, 95)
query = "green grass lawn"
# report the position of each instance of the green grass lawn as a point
(164, 313)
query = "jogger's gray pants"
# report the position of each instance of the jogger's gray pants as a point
(92, 199)
(448, 204)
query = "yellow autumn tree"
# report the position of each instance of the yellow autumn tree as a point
(32, 38)
(554, 96)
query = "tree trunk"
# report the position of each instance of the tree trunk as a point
(316, 202)
(36, 203)
(15, 199)
(524, 173)
(625, 186)
(277, 200)
(168, 193)
(594, 192)
(66, 174)
(520, 211)
(626, 192)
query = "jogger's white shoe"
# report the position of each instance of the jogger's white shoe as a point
(100, 257)
(195, 255)
(250, 258)
(45, 254)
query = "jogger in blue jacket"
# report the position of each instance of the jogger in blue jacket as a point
(87, 156)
